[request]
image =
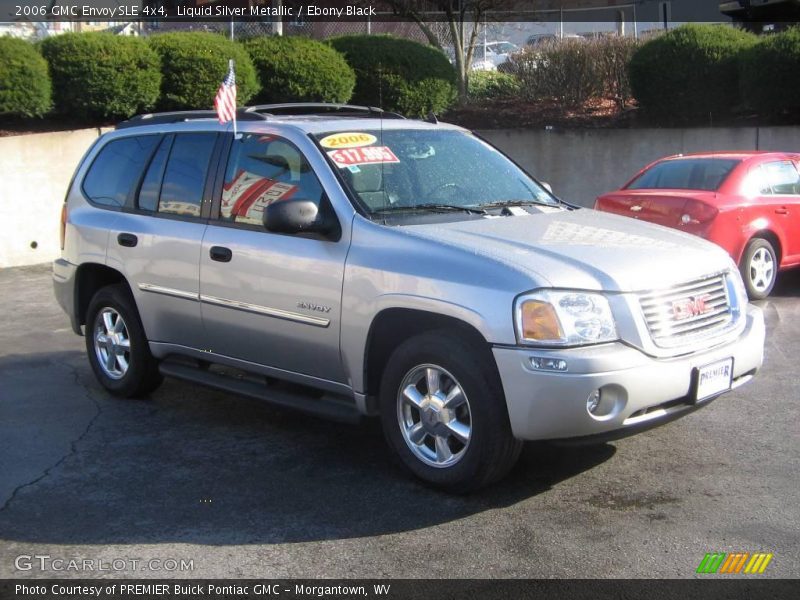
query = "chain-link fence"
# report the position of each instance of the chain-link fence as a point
(322, 29)
(435, 32)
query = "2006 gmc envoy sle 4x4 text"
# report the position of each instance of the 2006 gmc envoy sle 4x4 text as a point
(346, 261)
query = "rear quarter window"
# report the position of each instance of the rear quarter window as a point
(117, 169)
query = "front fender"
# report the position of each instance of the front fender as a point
(357, 322)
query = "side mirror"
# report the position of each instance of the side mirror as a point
(547, 186)
(295, 215)
(299, 215)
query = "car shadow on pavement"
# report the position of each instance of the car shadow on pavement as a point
(191, 465)
(787, 284)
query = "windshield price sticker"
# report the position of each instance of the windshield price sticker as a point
(350, 139)
(363, 156)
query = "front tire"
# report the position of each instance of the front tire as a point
(116, 344)
(444, 414)
(759, 268)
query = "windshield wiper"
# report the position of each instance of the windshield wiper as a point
(433, 207)
(512, 203)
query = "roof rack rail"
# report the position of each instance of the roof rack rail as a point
(261, 112)
(321, 108)
(183, 116)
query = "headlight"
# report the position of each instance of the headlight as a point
(735, 278)
(737, 294)
(564, 318)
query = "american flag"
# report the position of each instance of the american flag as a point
(225, 101)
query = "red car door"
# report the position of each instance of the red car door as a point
(784, 203)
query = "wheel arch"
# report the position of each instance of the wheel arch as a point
(392, 326)
(91, 277)
(764, 232)
(770, 236)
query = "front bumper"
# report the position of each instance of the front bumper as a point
(643, 391)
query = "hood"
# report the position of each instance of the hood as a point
(584, 249)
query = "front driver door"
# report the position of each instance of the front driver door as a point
(266, 298)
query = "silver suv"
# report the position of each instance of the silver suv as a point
(346, 262)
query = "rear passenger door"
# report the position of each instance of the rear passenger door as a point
(268, 298)
(784, 202)
(157, 238)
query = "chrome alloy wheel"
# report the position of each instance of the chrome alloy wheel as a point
(112, 344)
(761, 270)
(434, 416)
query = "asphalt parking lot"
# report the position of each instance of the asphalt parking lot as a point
(244, 490)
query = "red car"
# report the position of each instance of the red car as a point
(746, 202)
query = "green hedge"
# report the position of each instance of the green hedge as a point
(689, 72)
(770, 71)
(193, 65)
(99, 75)
(490, 85)
(25, 88)
(298, 69)
(397, 74)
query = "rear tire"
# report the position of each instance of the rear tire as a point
(759, 268)
(444, 414)
(116, 344)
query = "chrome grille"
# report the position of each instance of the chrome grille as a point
(674, 316)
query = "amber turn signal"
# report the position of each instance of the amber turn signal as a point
(539, 322)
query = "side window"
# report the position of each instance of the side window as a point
(756, 183)
(185, 174)
(151, 184)
(263, 169)
(117, 169)
(782, 177)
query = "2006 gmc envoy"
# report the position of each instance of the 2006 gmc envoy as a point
(346, 261)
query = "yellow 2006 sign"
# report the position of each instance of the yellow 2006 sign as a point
(349, 139)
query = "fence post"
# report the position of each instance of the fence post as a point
(277, 27)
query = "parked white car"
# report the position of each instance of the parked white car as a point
(489, 56)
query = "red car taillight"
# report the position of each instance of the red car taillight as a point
(607, 204)
(697, 213)
(63, 224)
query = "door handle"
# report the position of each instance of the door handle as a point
(127, 239)
(220, 254)
(782, 211)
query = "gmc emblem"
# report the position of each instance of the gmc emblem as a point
(690, 307)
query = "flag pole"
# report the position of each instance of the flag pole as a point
(230, 67)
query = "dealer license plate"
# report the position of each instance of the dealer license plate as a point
(714, 379)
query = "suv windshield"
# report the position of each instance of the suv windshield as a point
(706, 174)
(426, 169)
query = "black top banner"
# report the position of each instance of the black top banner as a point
(303, 11)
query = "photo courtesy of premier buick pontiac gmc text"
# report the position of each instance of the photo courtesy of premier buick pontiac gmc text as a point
(346, 261)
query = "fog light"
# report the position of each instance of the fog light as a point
(686, 219)
(593, 401)
(548, 364)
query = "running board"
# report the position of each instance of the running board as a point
(328, 406)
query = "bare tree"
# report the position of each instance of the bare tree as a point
(465, 20)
